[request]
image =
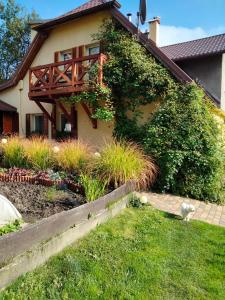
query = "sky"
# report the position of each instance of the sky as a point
(181, 20)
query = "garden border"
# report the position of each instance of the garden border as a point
(24, 250)
(41, 181)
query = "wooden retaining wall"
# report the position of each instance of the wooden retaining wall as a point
(24, 250)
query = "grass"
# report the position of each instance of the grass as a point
(39, 153)
(120, 162)
(14, 153)
(142, 254)
(72, 156)
(93, 187)
(52, 194)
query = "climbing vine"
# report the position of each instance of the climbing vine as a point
(182, 134)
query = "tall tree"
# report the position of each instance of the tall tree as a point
(14, 36)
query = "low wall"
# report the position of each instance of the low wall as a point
(23, 251)
(45, 182)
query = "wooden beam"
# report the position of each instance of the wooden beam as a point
(45, 112)
(63, 109)
(93, 121)
(53, 115)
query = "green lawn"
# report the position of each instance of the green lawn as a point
(142, 254)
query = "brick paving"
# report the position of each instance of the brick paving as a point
(207, 212)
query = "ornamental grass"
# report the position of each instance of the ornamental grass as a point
(73, 156)
(39, 153)
(121, 162)
(93, 187)
(13, 153)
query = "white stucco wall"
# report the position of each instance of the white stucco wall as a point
(73, 34)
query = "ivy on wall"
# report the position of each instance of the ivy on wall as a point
(182, 135)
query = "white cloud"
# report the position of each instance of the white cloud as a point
(171, 34)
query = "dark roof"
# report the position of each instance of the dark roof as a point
(7, 107)
(38, 21)
(197, 48)
(88, 8)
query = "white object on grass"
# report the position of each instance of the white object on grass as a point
(97, 155)
(4, 141)
(8, 212)
(56, 149)
(187, 211)
(144, 200)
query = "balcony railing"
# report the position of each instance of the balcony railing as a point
(65, 78)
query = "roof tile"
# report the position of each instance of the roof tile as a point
(202, 47)
(85, 6)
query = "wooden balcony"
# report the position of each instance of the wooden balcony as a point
(65, 78)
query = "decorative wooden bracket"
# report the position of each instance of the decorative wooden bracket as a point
(63, 109)
(93, 121)
(51, 119)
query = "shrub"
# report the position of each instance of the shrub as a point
(73, 156)
(39, 153)
(13, 153)
(134, 201)
(93, 187)
(15, 226)
(184, 138)
(122, 161)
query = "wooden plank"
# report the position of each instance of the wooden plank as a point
(16, 243)
(67, 115)
(45, 112)
(76, 60)
(56, 56)
(75, 52)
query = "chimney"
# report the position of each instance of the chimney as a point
(154, 29)
(129, 16)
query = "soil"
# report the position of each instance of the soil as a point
(33, 203)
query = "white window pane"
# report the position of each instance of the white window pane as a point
(94, 50)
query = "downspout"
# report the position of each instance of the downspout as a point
(21, 129)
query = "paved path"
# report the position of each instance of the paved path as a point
(207, 212)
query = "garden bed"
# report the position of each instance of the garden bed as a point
(36, 202)
(26, 249)
(42, 178)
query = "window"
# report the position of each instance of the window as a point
(37, 124)
(63, 122)
(66, 55)
(93, 50)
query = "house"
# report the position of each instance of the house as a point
(56, 66)
(204, 61)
